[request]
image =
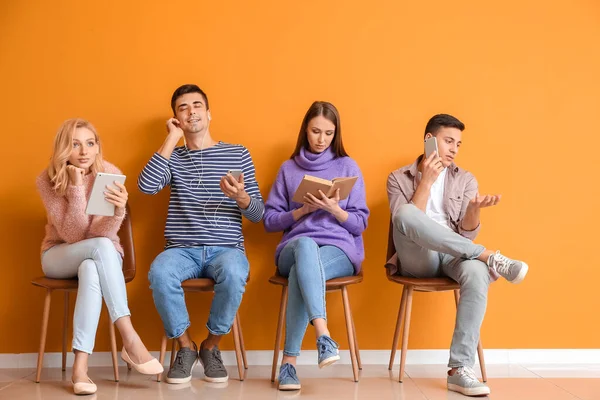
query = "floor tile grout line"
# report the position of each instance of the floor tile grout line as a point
(552, 383)
(17, 379)
(419, 389)
(533, 372)
(565, 390)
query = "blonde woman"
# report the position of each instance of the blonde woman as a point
(87, 247)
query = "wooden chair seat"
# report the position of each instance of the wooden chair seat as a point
(332, 284)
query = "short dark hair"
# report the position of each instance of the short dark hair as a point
(328, 111)
(185, 89)
(443, 121)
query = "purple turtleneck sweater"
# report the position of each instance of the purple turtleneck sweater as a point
(321, 226)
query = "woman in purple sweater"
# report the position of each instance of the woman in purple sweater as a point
(322, 238)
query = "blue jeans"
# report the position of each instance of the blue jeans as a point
(307, 266)
(99, 267)
(227, 266)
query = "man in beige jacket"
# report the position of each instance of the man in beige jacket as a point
(435, 209)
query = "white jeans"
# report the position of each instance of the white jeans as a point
(98, 265)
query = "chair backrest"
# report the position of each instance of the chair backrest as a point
(391, 267)
(126, 236)
(391, 249)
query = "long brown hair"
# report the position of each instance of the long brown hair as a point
(63, 145)
(328, 111)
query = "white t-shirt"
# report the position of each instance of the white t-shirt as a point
(435, 202)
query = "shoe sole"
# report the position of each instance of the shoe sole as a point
(289, 386)
(216, 380)
(84, 392)
(521, 275)
(213, 380)
(482, 391)
(182, 380)
(328, 361)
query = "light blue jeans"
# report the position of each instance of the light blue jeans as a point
(307, 266)
(227, 266)
(99, 267)
(426, 250)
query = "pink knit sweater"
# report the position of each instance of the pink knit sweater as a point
(67, 220)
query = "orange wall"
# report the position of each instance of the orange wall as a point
(522, 75)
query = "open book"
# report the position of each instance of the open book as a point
(312, 184)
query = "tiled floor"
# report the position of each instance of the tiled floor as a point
(511, 382)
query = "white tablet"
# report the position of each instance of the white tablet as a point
(97, 204)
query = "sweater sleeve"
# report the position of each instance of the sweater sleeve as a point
(278, 216)
(155, 175)
(357, 209)
(103, 226)
(256, 209)
(66, 213)
(471, 190)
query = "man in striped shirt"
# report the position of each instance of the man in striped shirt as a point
(203, 231)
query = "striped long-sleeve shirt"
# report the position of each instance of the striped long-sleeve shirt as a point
(199, 213)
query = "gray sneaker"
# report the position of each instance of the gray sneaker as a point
(185, 360)
(214, 370)
(464, 381)
(513, 271)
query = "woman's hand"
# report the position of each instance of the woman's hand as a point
(117, 195)
(302, 211)
(75, 175)
(331, 205)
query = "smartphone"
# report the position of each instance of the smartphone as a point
(431, 146)
(235, 173)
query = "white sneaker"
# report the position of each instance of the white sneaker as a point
(465, 382)
(513, 271)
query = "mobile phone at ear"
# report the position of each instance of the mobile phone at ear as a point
(431, 146)
(235, 173)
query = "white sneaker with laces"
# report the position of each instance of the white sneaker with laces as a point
(465, 381)
(513, 271)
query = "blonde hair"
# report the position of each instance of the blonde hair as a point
(63, 146)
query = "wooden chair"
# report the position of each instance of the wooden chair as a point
(204, 285)
(331, 285)
(70, 285)
(411, 285)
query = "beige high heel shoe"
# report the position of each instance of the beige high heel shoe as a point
(151, 367)
(81, 388)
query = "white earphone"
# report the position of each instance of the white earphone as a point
(215, 222)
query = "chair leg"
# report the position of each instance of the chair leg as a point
(173, 351)
(348, 315)
(113, 349)
(357, 349)
(481, 361)
(279, 332)
(479, 345)
(65, 329)
(456, 297)
(238, 349)
(401, 312)
(405, 332)
(45, 316)
(161, 357)
(243, 346)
